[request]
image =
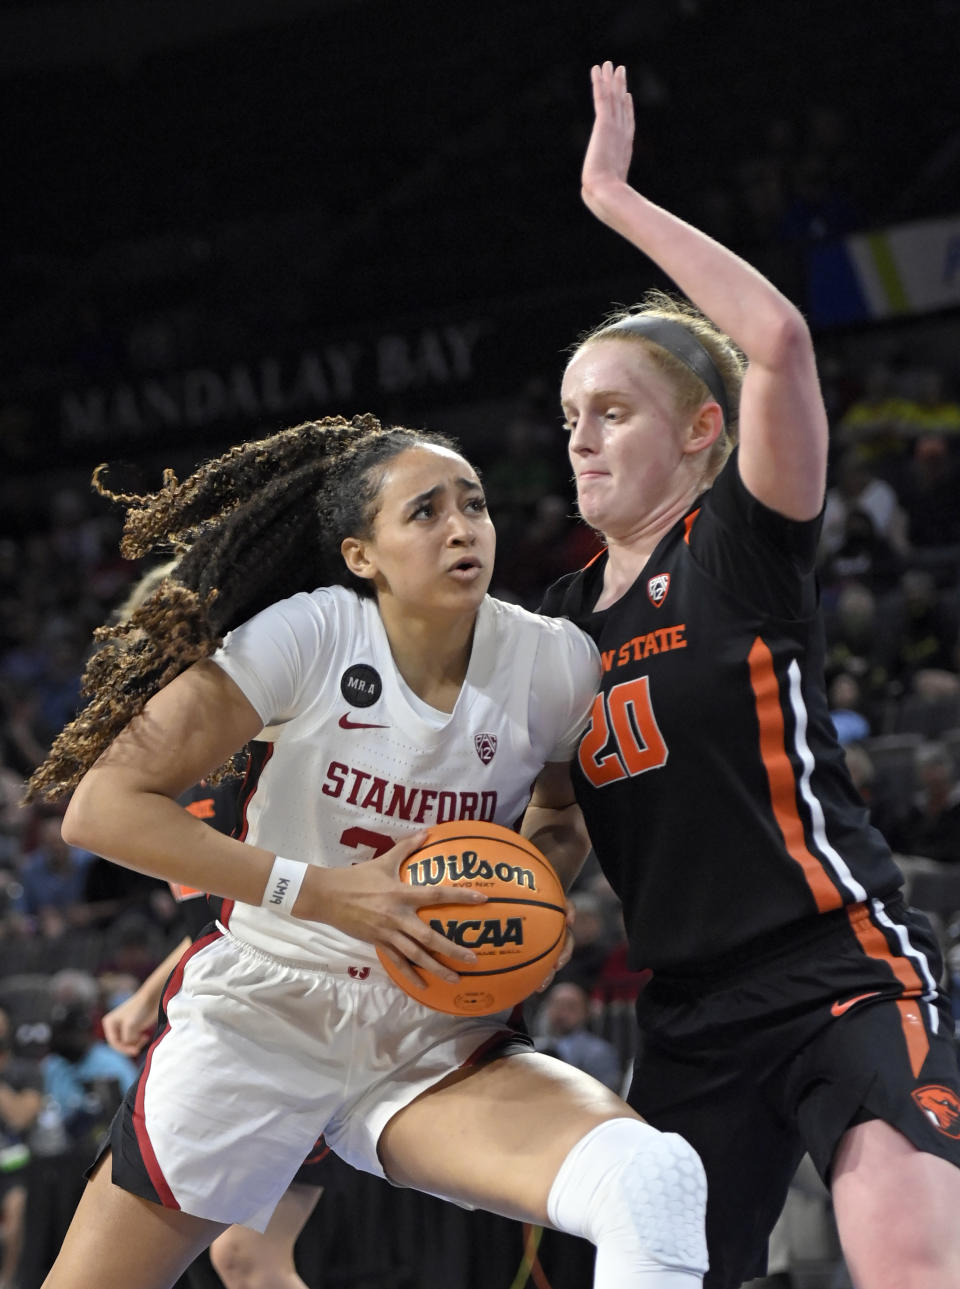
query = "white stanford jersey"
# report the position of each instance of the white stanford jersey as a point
(349, 760)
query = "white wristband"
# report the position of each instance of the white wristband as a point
(283, 884)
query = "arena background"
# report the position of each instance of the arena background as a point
(220, 217)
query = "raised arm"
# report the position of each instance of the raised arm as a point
(783, 424)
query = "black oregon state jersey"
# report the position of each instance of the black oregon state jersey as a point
(713, 787)
(220, 806)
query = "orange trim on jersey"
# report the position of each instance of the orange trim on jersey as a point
(914, 1033)
(688, 524)
(874, 944)
(593, 559)
(180, 892)
(781, 778)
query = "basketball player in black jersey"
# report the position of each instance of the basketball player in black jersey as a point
(794, 1004)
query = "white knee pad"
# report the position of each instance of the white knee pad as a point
(640, 1195)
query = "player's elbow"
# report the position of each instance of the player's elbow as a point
(83, 817)
(786, 337)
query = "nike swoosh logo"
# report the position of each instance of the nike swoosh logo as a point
(839, 1008)
(346, 723)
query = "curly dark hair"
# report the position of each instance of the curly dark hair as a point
(253, 526)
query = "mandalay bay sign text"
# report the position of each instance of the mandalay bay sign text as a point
(429, 361)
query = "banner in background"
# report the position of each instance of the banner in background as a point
(398, 371)
(909, 269)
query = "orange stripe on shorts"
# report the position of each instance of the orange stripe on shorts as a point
(914, 1033)
(874, 944)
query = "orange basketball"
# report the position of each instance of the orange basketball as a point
(517, 935)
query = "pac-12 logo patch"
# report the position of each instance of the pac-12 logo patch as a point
(941, 1106)
(486, 745)
(657, 588)
(361, 685)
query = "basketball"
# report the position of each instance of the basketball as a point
(517, 935)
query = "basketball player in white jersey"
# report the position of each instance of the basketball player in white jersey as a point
(397, 695)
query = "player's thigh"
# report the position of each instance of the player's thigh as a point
(119, 1241)
(288, 1220)
(495, 1135)
(882, 1182)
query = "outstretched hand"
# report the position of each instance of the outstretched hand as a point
(610, 149)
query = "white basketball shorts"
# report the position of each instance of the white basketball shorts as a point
(256, 1057)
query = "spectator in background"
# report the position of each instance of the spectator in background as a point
(931, 825)
(592, 941)
(857, 487)
(561, 1029)
(83, 1074)
(53, 878)
(72, 987)
(845, 709)
(859, 645)
(58, 688)
(863, 556)
(870, 785)
(20, 739)
(929, 409)
(134, 945)
(553, 543)
(929, 492)
(873, 423)
(20, 1100)
(925, 632)
(527, 469)
(13, 816)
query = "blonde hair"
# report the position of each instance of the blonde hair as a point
(691, 389)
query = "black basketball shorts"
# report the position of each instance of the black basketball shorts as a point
(779, 1049)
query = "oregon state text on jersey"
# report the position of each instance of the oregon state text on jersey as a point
(342, 730)
(712, 701)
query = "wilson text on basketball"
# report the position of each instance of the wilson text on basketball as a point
(465, 867)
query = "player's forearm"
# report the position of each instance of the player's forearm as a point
(562, 836)
(149, 992)
(738, 299)
(150, 833)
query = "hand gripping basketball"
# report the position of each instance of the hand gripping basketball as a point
(518, 935)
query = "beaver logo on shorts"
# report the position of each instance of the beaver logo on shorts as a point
(941, 1106)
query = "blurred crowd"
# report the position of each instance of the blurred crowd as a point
(78, 934)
